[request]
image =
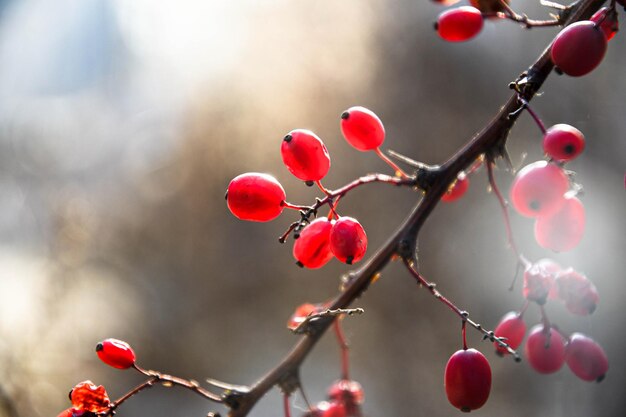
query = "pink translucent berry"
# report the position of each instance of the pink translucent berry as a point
(579, 48)
(563, 229)
(511, 328)
(305, 155)
(457, 189)
(459, 24)
(563, 142)
(585, 358)
(312, 248)
(577, 291)
(538, 282)
(553, 268)
(255, 197)
(362, 128)
(538, 188)
(467, 379)
(348, 240)
(545, 349)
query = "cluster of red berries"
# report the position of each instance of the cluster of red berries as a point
(89, 399)
(546, 349)
(542, 190)
(260, 197)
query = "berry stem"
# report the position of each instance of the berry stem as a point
(463, 333)
(505, 213)
(532, 113)
(398, 171)
(510, 14)
(286, 405)
(464, 315)
(288, 205)
(345, 349)
(321, 187)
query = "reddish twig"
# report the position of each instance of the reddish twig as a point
(464, 315)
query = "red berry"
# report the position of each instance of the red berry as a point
(579, 48)
(467, 379)
(348, 240)
(512, 328)
(362, 128)
(116, 353)
(335, 409)
(305, 155)
(312, 248)
(545, 349)
(537, 284)
(86, 396)
(457, 189)
(562, 230)
(459, 24)
(538, 188)
(608, 22)
(577, 291)
(346, 391)
(256, 197)
(585, 358)
(563, 142)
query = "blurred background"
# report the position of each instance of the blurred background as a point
(122, 123)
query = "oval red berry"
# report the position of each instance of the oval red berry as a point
(467, 379)
(305, 155)
(585, 358)
(116, 353)
(459, 24)
(348, 240)
(362, 128)
(538, 189)
(579, 48)
(256, 197)
(312, 248)
(563, 142)
(545, 349)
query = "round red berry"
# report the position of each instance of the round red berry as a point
(348, 241)
(457, 189)
(346, 391)
(305, 155)
(512, 329)
(116, 353)
(467, 379)
(585, 358)
(459, 24)
(563, 142)
(256, 197)
(579, 48)
(545, 349)
(362, 128)
(538, 188)
(563, 229)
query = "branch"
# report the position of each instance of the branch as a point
(491, 141)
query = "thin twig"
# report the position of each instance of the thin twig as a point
(464, 315)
